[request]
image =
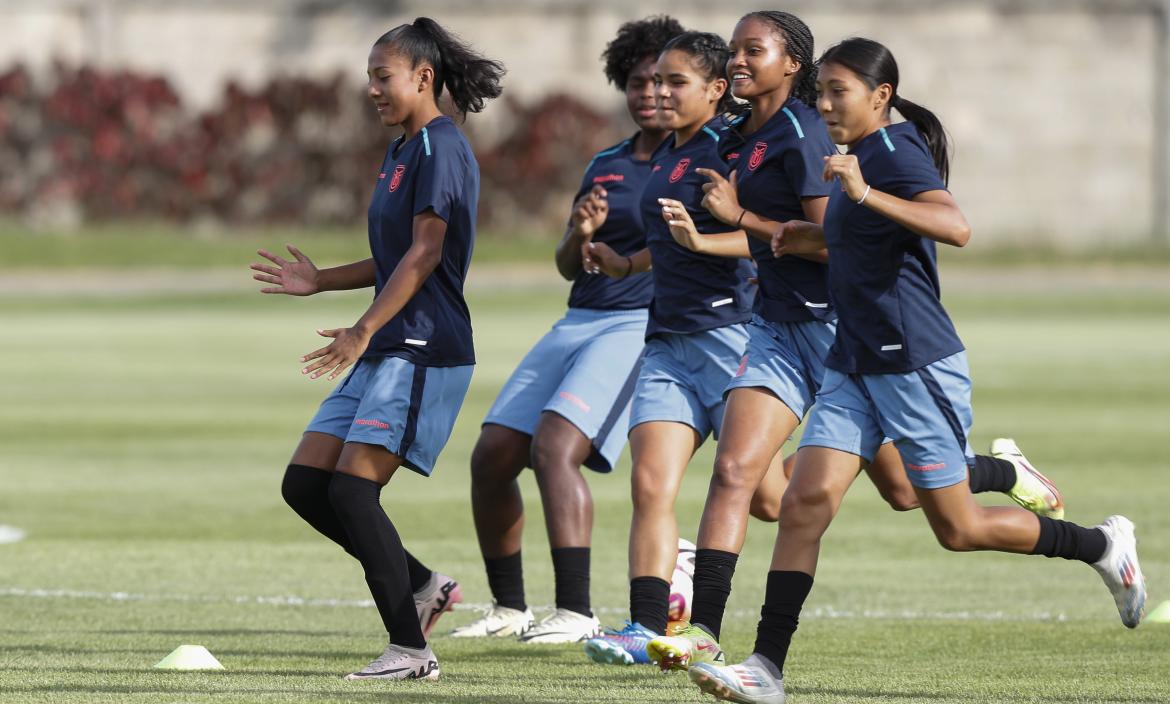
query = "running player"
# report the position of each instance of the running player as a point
(411, 350)
(777, 154)
(695, 335)
(567, 404)
(896, 369)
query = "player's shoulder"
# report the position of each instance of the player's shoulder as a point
(442, 136)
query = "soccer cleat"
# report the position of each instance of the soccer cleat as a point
(563, 626)
(399, 663)
(439, 596)
(750, 682)
(624, 647)
(689, 645)
(498, 622)
(1032, 490)
(1120, 569)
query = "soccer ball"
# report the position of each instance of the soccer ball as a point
(681, 587)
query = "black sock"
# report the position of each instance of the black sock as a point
(571, 575)
(713, 571)
(306, 490)
(650, 602)
(1070, 541)
(992, 474)
(420, 574)
(784, 598)
(506, 580)
(380, 551)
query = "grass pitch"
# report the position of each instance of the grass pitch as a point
(143, 438)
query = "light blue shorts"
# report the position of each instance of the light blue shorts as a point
(683, 377)
(787, 359)
(388, 401)
(583, 370)
(926, 412)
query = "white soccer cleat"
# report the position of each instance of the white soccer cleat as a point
(563, 626)
(498, 622)
(399, 663)
(439, 596)
(1032, 490)
(1120, 569)
(750, 682)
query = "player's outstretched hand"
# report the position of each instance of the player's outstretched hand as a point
(590, 211)
(295, 278)
(719, 196)
(682, 227)
(347, 347)
(599, 258)
(797, 237)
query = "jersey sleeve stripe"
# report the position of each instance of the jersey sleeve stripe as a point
(795, 123)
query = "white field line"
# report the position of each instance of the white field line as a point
(825, 612)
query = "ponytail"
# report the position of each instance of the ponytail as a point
(469, 78)
(874, 65)
(931, 129)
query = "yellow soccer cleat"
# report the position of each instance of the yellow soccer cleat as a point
(688, 646)
(1032, 490)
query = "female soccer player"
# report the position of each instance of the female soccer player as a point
(567, 404)
(777, 154)
(411, 350)
(695, 335)
(896, 369)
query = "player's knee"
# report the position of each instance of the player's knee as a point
(806, 505)
(765, 507)
(646, 490)
(729, 475)
(492, 461)
(901, 500)
(549, 455)
(300, 486)
(954, 537)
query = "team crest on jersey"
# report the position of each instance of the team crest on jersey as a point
(680, 170)
(757, 156)
(396, 177)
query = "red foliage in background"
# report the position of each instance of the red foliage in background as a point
(100, 146)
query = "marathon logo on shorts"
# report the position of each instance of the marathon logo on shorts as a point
(396, 178)
(371, 422)
(757, 156)
(926, 467)
(608, 178)
(732, 156)
(680, 170)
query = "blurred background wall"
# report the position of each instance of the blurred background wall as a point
(246, 111)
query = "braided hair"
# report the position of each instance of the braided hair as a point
(798, 43)
(470, 79)
(635, 41)
(709, 54)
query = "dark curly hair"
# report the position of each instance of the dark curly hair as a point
(634, 42)
(798, 43)
(709, 54)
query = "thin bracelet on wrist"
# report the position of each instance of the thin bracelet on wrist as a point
(864, 195)
(739, 220)
(629, 267)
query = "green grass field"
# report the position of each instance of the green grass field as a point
(143, 438)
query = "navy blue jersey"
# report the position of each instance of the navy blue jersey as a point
(623, 179)
(692, 292)
(883, 277)
(776, 166)
(433, 170)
